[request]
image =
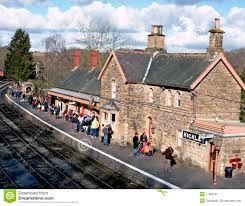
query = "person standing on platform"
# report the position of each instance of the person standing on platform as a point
(102, 132)
(136, 144)
(110, 133)
(169, 159)
(57, 112)
(94, 127)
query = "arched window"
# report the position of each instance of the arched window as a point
(113, 89)
(168, 98)
(151, 95)
(178, 99)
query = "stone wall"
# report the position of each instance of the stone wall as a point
(232, 147)
(218, 95)
(155, 41)
(110, 74)
(194, 153)
(135, 109)
(168, 120)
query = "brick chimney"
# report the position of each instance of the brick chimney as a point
(215, 39)
(156, 40)
(94, 56)
(76, 58)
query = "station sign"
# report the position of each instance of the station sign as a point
(193, 137)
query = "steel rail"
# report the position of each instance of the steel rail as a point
(55, 169)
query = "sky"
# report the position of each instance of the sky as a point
(185, 22)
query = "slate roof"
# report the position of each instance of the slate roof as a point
(75, 94)
(176, 70)
(134, 65)
(82, 81)
(167, 69)
(110, 106)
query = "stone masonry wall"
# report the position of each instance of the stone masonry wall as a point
(135, 108)
(155, 41)
(133, 101)
(110, 74)
(232, 147)
(218, 95)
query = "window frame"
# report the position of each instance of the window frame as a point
(169, 98)
(178, 98)
(113, 89)
(151, 95)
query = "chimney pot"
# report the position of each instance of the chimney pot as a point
(217, 23)
(94, 55)
(216, 39)
(156, 29)
(76, 58)
(156, 40)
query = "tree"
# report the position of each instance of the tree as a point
(102, 36)
(19, 64)
(56, 59)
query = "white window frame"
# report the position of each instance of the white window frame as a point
(113, 89)
(106, 116)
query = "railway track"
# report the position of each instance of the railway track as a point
(61, 162)
(37, 165)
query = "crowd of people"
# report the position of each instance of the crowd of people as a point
(90, 125)
(142, 145)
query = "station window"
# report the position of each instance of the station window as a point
(151, 95)
(105, 116)
(113, 117)
(178, 99)
(168, 98)
(113, 89)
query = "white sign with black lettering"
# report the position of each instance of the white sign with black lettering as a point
(193, 137)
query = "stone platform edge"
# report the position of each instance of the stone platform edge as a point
(129, 171)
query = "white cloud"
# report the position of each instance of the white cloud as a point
(21, 3)
(186, 27)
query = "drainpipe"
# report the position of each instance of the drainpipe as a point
(217, 149)
(211, 152)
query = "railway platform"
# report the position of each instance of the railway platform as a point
(182, 175)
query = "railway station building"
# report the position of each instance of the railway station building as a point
(190, 101)
(80, 90)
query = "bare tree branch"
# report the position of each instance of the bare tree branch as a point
(100, 35)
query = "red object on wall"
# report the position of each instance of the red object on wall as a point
(234, 165)
(235, 160)
(239, 165)
(76, 59)
(94, 56)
